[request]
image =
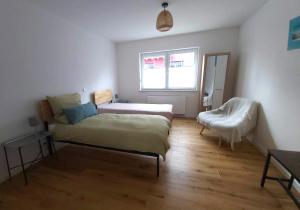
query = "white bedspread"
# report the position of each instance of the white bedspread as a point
(165, 110)
(236, 118)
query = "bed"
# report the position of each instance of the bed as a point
(103, 101)
(131, 133)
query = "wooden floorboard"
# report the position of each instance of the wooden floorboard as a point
(196, 175)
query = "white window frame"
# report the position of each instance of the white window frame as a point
(166, 53)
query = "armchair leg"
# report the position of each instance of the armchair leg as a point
(220, 141)
(232, 146)
(202, 130)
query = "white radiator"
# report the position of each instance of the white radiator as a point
(178, 102)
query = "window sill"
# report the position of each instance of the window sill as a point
(168, 90)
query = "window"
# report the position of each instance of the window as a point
(169, 70)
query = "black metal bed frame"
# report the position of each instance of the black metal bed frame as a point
(51, 144)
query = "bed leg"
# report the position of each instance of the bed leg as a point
(48, 138)
(157, 165)
(202, 130)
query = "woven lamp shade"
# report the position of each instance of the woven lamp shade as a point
(164, 21)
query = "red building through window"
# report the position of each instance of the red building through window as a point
(158, 62)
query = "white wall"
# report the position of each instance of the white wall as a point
(270, 74)
(222, 40)
(41, 55)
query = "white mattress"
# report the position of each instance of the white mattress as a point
(165, 110)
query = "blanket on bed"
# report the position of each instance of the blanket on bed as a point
(143, 133)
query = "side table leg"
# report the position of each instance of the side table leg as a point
(266, 168)
(49, 145)
(291, 182)
(53, 146)
(23, 167)
(157, 165)
(41, 149)
(7, 163)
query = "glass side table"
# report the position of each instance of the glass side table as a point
(24, 141)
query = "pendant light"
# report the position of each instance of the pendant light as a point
(164, 20)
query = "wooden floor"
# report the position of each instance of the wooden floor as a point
(196, 175)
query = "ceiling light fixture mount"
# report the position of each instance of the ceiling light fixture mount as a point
(164, 20)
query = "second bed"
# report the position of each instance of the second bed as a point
(103, 98)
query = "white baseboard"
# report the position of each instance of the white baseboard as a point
(264, 151)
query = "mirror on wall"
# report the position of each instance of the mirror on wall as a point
(213, 78)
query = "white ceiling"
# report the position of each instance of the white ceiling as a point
(123, 20)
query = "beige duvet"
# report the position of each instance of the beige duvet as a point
(137, 132)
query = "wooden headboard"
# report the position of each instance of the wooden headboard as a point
(103, 96)
(46, 111)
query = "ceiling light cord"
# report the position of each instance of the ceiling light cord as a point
(165, 5)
